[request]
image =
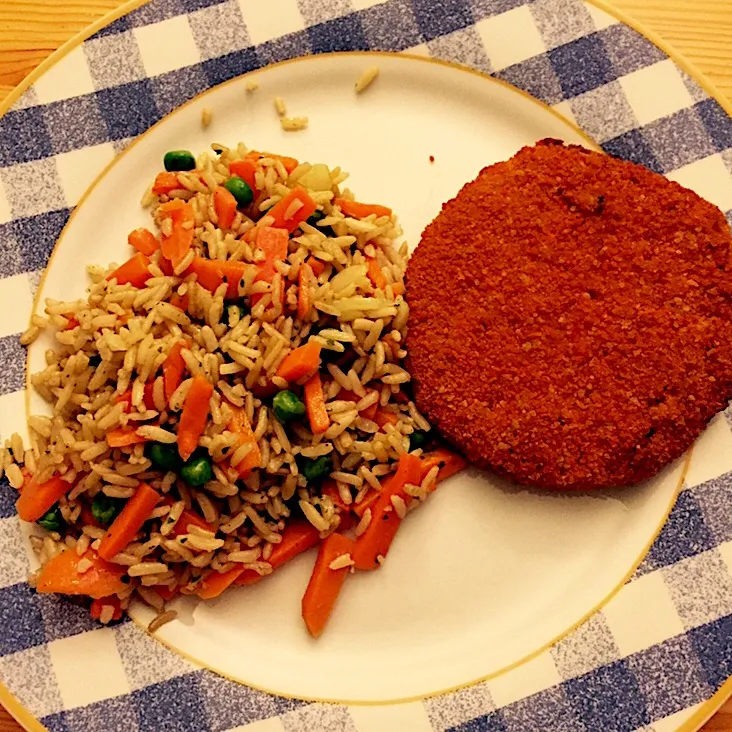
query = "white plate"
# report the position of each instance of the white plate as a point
(484, 574)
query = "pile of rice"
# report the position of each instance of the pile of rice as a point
(117, 338)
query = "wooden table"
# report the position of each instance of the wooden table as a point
(700, 29)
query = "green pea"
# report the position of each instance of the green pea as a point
(287, 406)
(164, 457)
(418, 439)
(315, 469)
(106, 509)
(52, 520)
(240, 189)
(197, 471)
(176, 160)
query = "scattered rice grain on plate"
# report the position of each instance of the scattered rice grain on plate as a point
(366, 79)
(252, 85)
(206, 117)
(159, 620)
(280, 106)
(293, 124)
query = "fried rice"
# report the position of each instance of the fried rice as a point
(105, 375)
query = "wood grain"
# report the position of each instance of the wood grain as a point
(700, 29)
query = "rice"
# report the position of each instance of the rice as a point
(293, 124)
(159, 620)
(341, 562)
(110, 375)
(280, 106)
(366, 78)
(206, 117)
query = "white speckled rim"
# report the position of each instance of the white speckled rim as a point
(713, 702)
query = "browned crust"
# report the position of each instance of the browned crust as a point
(571, 318)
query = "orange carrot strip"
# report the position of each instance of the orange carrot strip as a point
(36, 498)
(315, 405)
(124, 437)
(351, 396)
(167, 593)
(330, 488)
(300, 362)
(144, 241)
(225, 206)
(194, 416)
(368, 502)
(178, 301)
(173, 368)
(398, 288)
(87, 517)
(289, 163)
(73, 323)
(316, 265)
(361, 210)
(186, 519)
(165, 182)
(61, 575)
(376, 274)
(273, 242)
(101, 602)
(287, 215)
(448, 461)
(216, 582)
(304, 296)
(383, 417)
(240, 423)
(175, 246)
(325, 583)
(297, 537)
(246, 170)
(211, 273)
(376, 540)
(134, 514)
(133, 271)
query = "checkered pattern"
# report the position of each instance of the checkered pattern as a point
(658, 649)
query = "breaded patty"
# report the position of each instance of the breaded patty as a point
(571, 319)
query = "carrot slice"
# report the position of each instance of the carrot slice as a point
(368, 502)
(304, 296)
(134, 514)
(194, 416)
(330, 489)
(175, 246)
(144, 241)
(167, 593)
(316, 265)
(315, 405)
(288, 214)
(297, 537)
(300, 362)
(165, 182)
(211, 273)
(240, 423)
(173, 368)
(124, 437)
(246, 170)
(374, 543)
(133, 271)
(61, 575)
(289, 163)
(361, 210)
(351, 396)
(100, 603)
(179, 301)
(225, 207)
(36, 498)
(186, 519)
(398, 288)
(325, 583)
(216, 582)
(376, 274)
(383, 417)
(448, 461)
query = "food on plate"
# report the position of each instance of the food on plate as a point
(571, 320)
(230, 396)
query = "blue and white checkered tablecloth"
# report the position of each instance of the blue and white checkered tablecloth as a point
(659, 649)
